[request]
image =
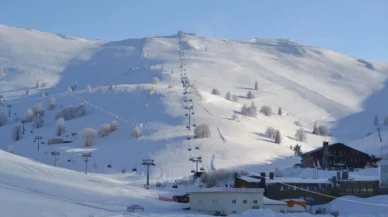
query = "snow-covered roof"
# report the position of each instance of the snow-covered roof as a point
(135, 206)
(298, 180)
(318, 149)
(249, 179)
(273, 202)
(234, 190)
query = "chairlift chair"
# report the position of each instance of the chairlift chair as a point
(189, 149)
(201, 169)
(192, 171)
(188, 138)
(109, 166)
(197, 147)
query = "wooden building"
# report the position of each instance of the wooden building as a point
(336, 156)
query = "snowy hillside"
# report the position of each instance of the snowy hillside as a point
(310, 85)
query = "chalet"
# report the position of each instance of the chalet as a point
(336, 156)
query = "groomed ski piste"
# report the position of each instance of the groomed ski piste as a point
(310, 85)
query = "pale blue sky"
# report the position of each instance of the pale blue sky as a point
(355, 27)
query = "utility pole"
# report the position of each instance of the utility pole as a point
(196, 160)
(148, 163)
(9, 110)
(23, 121)
(37, 139)
(55, 154)
(86, 155)
(189, 114)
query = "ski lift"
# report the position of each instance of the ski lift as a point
(109, 166)
(192, 171)
(185, 114)
(68, 160)
(199, 158)
(201, 169)
(189, 149)
(188, 138)
(197, 147)
(134, 169)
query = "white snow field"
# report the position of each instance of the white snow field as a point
(310, 84)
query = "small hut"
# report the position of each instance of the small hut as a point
(135, 208)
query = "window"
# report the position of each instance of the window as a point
(233, 201)
(255, 201)
(244, 201)
(255, 207)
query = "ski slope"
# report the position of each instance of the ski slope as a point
(310, 84)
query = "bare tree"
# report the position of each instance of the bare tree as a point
(270, 132)
(315, 129)
(136, 132)
(300, 135)
(28, 91)
(256, 85)
(3, 118)
(88, 136)
(278, 137)
(37, 84)
(72, 112)
(17, 133)
(114, 126)
(250, 95)
(215, 91)
(155, 80)
(266, 110)
(104, 130)
(42, 93)
(60, 126)
(69, 89)
(228, 96)
(202, 131)
(51, 104)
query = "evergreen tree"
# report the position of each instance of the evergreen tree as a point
(315, 129)
(280, 112)
(256, 85)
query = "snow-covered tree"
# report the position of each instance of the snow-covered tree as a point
(270, 132)
(323, 130)
(17, 132)
(114, 126)
(104, 130)
(386, 120)
(250, 95)
(111, 87)
(376, 120)
(38, 110)
(244, 110)
(253, 110)
(69, 89)
(29, 116)
(51, 104)
(170, 86)
(228, 96)
(315, 129)
(278, 137)
(215, 91)
(280, 112)
(88, 136)
(297, 150)
(28, 91)
(137, 132)
(11, 149)
(60, 128)
(3, 118)
(234, 117)
(266, 110)
(256, 85)
(42, 93)
(300, 135)
(202, 131)
(235, 98)
(155, 80)
(37, 84)
(88, 88)
(72, 112)
(37, 122)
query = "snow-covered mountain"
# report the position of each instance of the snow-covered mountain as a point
(310, 84)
